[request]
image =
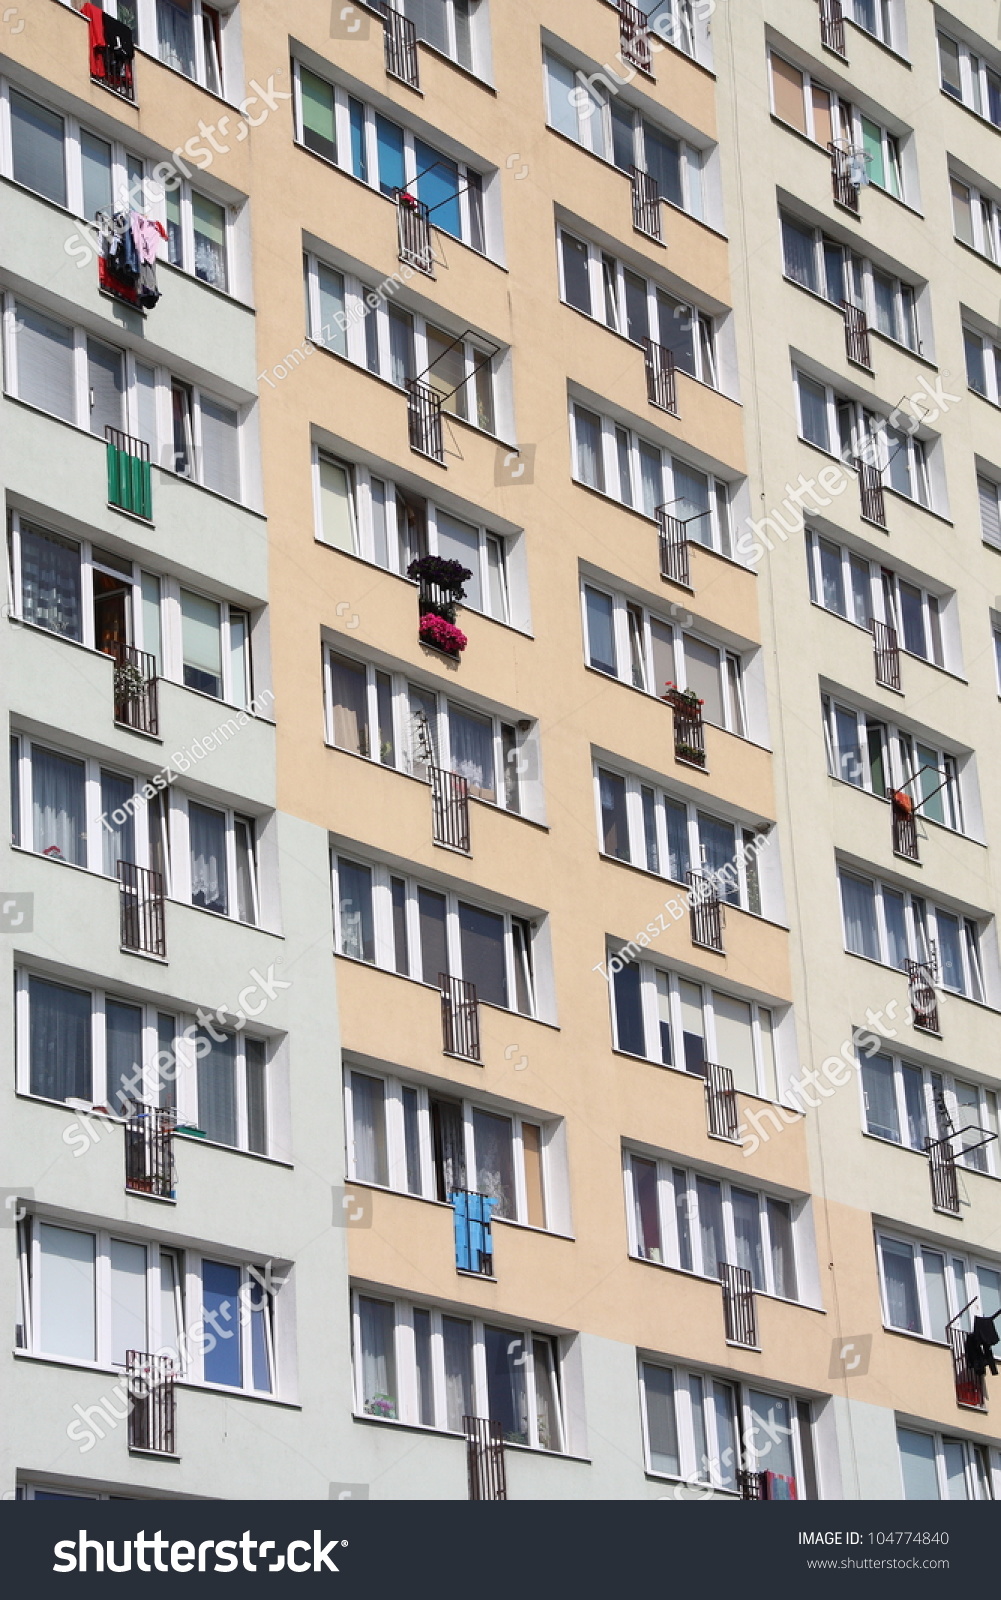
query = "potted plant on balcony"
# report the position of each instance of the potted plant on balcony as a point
(441, 634)
(683, 699)
(129, 682)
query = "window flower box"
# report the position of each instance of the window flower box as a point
(442, 635)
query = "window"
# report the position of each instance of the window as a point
(923, 1288)
(223, 862)
(215, 648)
(232, 1090)
(192, 37)
(983, 364)
(877, 756)
(799, 100)
(906, 1104)
(626, 641)
(420, 932)
(370, 516)
(355, 321)
(450, 26)
(387, 157)
(989, 494)
(620, 463)
(703, 1430)
(848, 429)
(651, 828)
(418, 1365)
(838, 273)
(967, 77)
(92, 1297)
(677, 1023)
(976, 219)
(877, 17)
(603, 123)
(60, 370)
(418, 1141)
(937, 1467)
(595, 282)
(681, 1219)
(891, 926)
(859, 590)
(388, 718)
(37, 145)
(198, 236)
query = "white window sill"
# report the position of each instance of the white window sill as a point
(75, 1364)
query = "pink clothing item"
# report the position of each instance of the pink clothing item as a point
(148, 235)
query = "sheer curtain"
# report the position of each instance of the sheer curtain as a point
(800, 249)
(507, 1389)
(123, 1034)
(747, 1233)
(349, 697)
(719, 847)
(901, 1285)
(661, 1421)
(458, 1341)
(378, 1358)
(209, 886)
(590, 468)
(357, 926)
(60, 1050)
(217, 1089)
(176, 31)
(458, 541)
(368, 1110)
(859, 901)
(472, 742)
(783, 1251)
(50, 583)
(57, 787)
(493, 1138)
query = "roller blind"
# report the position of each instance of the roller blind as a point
(220, 449)
(45, 362)
(787, 92)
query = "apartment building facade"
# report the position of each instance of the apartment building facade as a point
(435, 544)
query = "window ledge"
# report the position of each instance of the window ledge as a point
(646, 872)
(611, 167)
(459, 1438)
(908, 1149)
(696, 1077)
(443, 1205)
(689, 766)
(880, 44)
(681, 372)
(373, 566)
(699, 1277)
(884, 800)
(979, 255)
(490, 805)
(936, 666)
(68, 1363)
(849, 473)
(432, 988)
(947, 994)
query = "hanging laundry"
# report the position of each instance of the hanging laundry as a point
(980, 1344)
(112, 49)
(119, 266)
(95, 25)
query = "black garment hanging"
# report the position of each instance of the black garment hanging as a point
(979, 1345)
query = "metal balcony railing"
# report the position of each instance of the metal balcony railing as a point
(921, 977)
(142, 901)
(971, 1387)
(460, 1017)
(413, 232)
(751, 1485)
(844, 176)
(905, 826)
(706, 910)
(130, 475)
(152, 1402)
(721, 1102)
(661, 379)
(485, 1459)
(402, 60)
(739, 1316)
(857, 344)
(634, 37)
(673, 539)
(149, 1152)
(944, 1175)
(474, 1246)
(689, 729)
(424, 413)
(870, 482)
(886, 648)
(450, 809)
(137, 700)
(646, 205)
(832, 27)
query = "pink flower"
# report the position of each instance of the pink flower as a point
(443, 635)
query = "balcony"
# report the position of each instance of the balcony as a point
(135, 686)
(647, 216)
(152, 1403)
(848, 174)
(402, 60)
(112, 53)
(721, 1103)
(485, 1459)
(149, 1152)
(442, 591)
(130, 475)
(460, 1018)
(944, 1176)
(424, 415)
(675, 565)
(634, 38)
(886, 648)
(971, 1357)
(832, 27)
(905, 826)
(689, 728)
(474, 1247)
(143, 916)
(661, 380)
(921, 976)
(706, 911)
(450, 809)
(857, 344)
(413, 232)
(739, 1316)
(873, 500)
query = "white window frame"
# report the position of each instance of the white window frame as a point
(883, 601)
(975, 74)
(887, 22)
(406, 1367)
(477, 19)
(181, 855)
(958, 1266)
(846, 126)
(870, 433)
(148, 39)
(988, 1468)
(933, 1080)
(971, 934)
(899, 750)
(859, 275)
(990, 358)
(708, 1472)
(985, 214)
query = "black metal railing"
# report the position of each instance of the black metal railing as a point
(474, 1245)
(924, 1003)
(130, 474)
(142, 901)
(870, 483)
(905, 825)
(857, 347)
(739, 1317)
(689, 730)
(460, 1017)
(634, 37)
(971, 1387)
(485, 1459)
(149, 1152)
(751, 1485)
(413, 232)
(424, 414)
(706, 910)
(150, 1383)
(137, 700)
(402, 60)
(118, 74)
(661, 379)
(647, 216)
(832, 26)
(844, 171)
(721, 1102)
(673, 539)
(944, 1175)
(450, 809)
(886, 647)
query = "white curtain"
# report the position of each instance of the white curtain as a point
(858, 900)
(458, 1341)
(378, 1358)
(128, 1299)
(176, 30)
(217, 1089)
(349, 697)
(119, 838)
(209, 885)
(493, 1138)
(472, 744)
(368, 1109)
(57, 787)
